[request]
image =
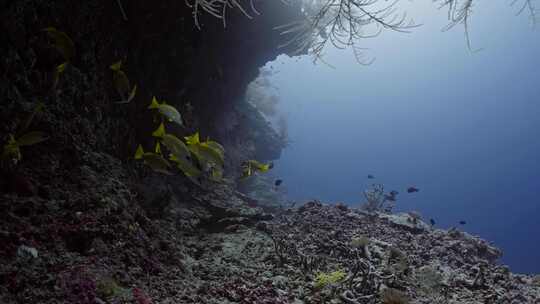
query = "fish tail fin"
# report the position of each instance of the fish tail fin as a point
(116, 66)
(132, 94)
(193, 139)
(154, 104)
(160, 131)
(139, 153)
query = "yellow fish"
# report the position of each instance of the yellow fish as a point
(173, 143)
(205, 153)
(61, 42)
(250, 166)
(121, 83)
(170, 112)
(185, 166)
(12, 149)
(155, 161)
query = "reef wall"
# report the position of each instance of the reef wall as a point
(203, 73)
(81, 222)
(76, 208)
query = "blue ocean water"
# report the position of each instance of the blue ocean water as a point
(463, 127)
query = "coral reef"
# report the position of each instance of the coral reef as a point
(82, 222)
(103, 247)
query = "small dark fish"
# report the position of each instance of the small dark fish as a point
(271, 165)
(462, 222)
(391, 197)
(278, 182)
(432, 222)
(412, 189)
(370, 176)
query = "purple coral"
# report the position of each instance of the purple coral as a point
(141, 297)
(78, 286)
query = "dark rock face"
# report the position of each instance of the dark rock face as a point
(247, 135)
(162, 52)
(78, 199)
(254, 126)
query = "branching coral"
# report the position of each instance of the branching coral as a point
(217, 8)
(376, 199)
(460, 11)
(243, 292)
(429, 279)
(342, 23)
(345, 23)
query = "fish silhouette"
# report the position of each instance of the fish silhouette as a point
(412, 189)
